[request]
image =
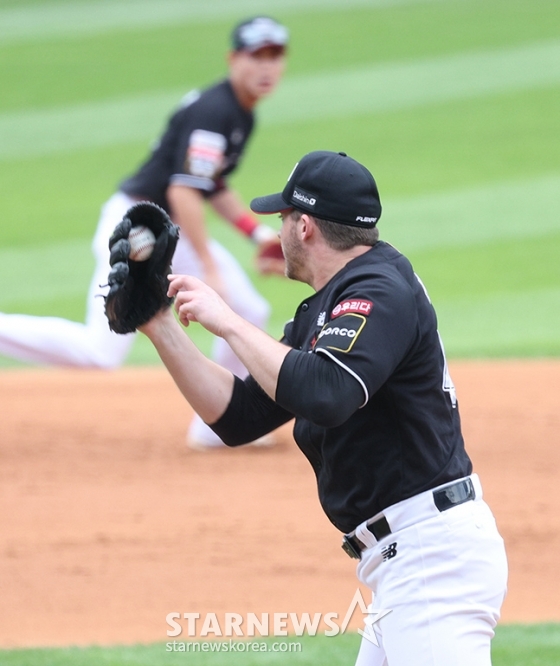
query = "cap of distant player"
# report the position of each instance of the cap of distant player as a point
(257, 33)
(329, 186)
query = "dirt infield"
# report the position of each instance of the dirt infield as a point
(109, 523)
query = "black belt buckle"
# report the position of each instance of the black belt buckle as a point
(350, 547)
(454, 494)
(380, 528)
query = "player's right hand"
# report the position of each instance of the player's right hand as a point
(197, 301)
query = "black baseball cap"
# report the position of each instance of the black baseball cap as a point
(257, 33)
(330, 186)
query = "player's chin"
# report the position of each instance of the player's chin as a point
(264, 88)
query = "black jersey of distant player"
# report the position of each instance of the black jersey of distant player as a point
(374, 318)
(203, 142)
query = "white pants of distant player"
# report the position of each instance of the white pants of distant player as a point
(51, 340)
(443, 582)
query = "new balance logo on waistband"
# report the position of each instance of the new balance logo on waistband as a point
(389, 551)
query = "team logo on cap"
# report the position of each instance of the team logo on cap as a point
(304, 198)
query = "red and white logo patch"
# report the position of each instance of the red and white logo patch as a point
(360, 307)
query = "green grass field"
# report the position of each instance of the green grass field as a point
(453, 104)
(533, 645)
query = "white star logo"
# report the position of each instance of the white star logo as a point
(373, 617)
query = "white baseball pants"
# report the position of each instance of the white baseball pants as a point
(442, 576)
(56, 341)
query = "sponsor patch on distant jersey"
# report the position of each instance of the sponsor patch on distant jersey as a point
(205, 154)
(355, 305)
(342, 334)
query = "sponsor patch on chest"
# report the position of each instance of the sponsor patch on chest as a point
(356, 305)
(342, 334)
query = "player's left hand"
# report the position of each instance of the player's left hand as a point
(196, 301)
(137, 289)
(270, 258)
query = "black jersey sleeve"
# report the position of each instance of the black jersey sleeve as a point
(211, 133)
(249, 415)
(370, 329)
(200, 145)
(312, 387)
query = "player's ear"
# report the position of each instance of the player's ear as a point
(231, 58)
(307, 226)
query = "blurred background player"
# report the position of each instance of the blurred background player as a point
(202, 144)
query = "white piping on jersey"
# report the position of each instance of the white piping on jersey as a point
(351, 372)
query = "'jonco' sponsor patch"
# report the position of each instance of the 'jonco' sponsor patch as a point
(342, 334)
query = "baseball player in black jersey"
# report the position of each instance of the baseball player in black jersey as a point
(201, 146)
(362, 369)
